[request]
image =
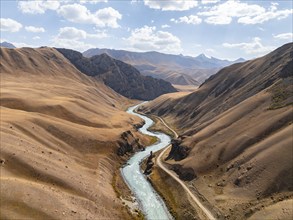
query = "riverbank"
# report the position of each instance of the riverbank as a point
(152, 204)
(173, 194)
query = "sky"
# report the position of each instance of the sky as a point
(223, 29)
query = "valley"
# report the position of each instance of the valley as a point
(146, 110)
(68, 141)
(223, 151)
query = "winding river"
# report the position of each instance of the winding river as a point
(152, 204)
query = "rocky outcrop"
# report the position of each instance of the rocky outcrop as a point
(121, 77)
(185, 174)
(178, 151)
(128, 144)
(149, 164)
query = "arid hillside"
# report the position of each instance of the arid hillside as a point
(60, 134)
(236, 135)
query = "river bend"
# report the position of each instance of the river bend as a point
(151, 203)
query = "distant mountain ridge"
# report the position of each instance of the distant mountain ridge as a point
(177, 69)
(7, 45)
(121, 77)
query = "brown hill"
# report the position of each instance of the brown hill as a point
(237, 132)
(121, 77)
(60, 133)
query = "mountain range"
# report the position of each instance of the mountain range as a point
(176, 69)
(121, 77)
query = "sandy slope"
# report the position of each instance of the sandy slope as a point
(238, 128)
(59, 133)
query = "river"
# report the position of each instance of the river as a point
(152, 204)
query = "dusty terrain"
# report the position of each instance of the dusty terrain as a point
(60, 132)
(237, 128)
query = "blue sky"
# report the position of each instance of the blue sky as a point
(224, 29)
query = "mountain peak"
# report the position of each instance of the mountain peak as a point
(7, 45)
(202, 55)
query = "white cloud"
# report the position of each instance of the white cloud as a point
(71, 44)
(284, 36)
(147, 38)
(165, 26)
(246, 13)
(34, 29)
(178, 5)
(268, 15)
(218, 20)
(21, 44)
(233, 9)
(191, 19)
(106, 17)
(36, 38)
(72, 33)
(73, 38)
(254, 47)
(37, 7)
(9, 25)
(209, 1)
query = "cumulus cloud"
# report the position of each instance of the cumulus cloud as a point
(191, 19)
(254, 47)
(71, 44)
(37, 7)
(73, 38)
(284, 36)
(268, 15)
(178, 5)
(218, 20)
(72, 33)
(34, 29)
(106, 17)
(36, 38)
(246, 13)
(148, 38)
(9, 25)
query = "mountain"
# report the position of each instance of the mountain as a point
(121, 77)
(60, 133)
(172, 68)
(236, 134)
(7, 45)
